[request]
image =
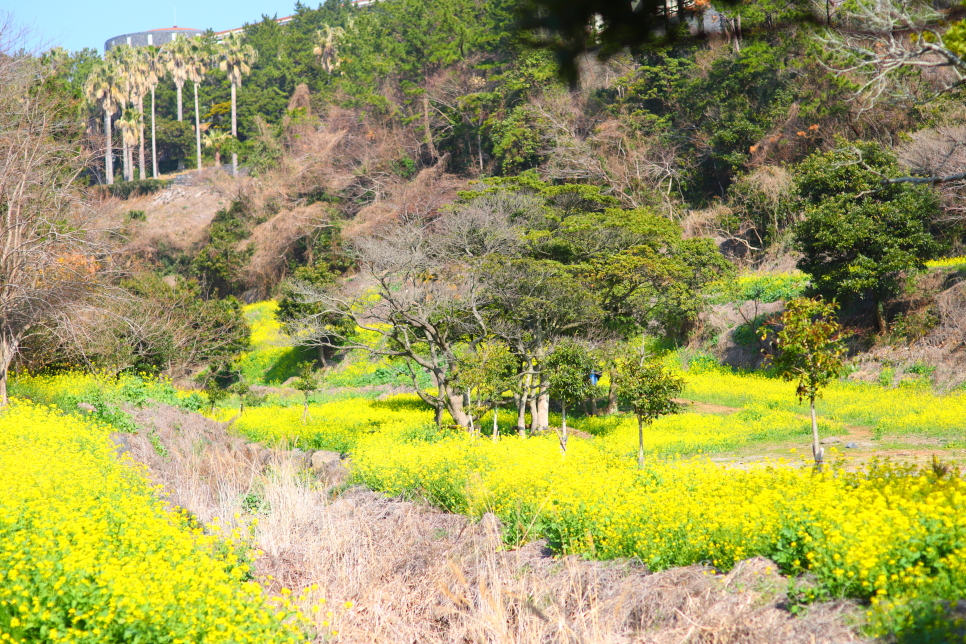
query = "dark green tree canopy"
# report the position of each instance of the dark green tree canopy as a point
(859, 235)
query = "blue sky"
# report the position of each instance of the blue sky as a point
(75, 24)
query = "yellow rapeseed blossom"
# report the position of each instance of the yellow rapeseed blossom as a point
(88, 554)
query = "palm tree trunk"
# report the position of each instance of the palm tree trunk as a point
(124, 156)
(154, 145)
(180, 110)
(108, 150)
(141, 163)
(197, 126)
(234, 132)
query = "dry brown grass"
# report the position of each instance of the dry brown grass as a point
(414, 574)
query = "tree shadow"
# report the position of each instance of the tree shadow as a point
(935, 622)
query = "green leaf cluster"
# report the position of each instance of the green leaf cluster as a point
(810, 347)
(861, 235)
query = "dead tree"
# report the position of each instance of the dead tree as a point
(49, 257)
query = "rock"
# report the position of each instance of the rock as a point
(831, 440)
(302, 460)
(253, 451)
(86, 407)
(492, 526)
(851, 445)
(329, 465)
(122, 443)
(322, 460)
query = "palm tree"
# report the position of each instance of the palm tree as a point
(103, 87)
(136, 68)
(197, 65)
(129, 124)
(156, 67)
(326, 48)
(122, 57)
(218, 140)
(177, 58)
(235, 58)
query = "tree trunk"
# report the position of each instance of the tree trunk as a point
(197, 126)
(124, 160)
(108, 150)
(8, 349)
(453, 401)
(543, 412)
(540, 409)
(640, 443)
(479, 149)
(180, 110)
(611, 395)
(534, 414)
(305, 410)
(817, 450)
(496, 426)
(234, 132)
(154, 146)
(880, 318)
(428, 130)
(439, 416)
(522, 399)
(217, 159)
(563, 428)
(141, 162)
(468, 404)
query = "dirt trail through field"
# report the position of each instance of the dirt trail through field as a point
(706, 408)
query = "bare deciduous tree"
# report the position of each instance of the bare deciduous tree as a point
(49, 257)
(877, 41)
(419, 300)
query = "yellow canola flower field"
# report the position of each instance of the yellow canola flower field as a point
(337, 425)
(887, 534)
(947, 262)
(340, 425)
(88, 554)
(899, 410)
(67, 388)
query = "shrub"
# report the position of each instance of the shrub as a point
(128, 189)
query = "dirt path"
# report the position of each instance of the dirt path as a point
(706, 408)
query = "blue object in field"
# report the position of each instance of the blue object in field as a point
(594, 377)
